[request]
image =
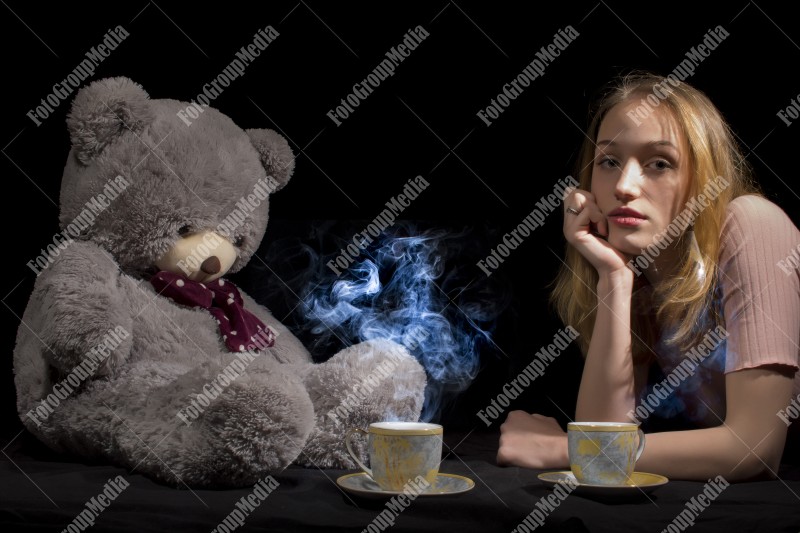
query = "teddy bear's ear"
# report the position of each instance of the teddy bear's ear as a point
(276, 156)
(104, 110)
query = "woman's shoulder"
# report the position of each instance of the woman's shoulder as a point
(752, 216)
(759, 286)
(754, 205)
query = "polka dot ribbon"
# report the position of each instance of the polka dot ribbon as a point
(240, 329)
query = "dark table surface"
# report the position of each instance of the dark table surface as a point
(41, 491)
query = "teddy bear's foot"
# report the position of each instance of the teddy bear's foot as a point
(238, 432)
(369, 382)
(261, 425)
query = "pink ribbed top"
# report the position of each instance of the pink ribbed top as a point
(760, 286)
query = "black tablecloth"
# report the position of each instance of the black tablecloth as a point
(41, 491)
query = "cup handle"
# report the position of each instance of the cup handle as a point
(640, 448)
(350, 433)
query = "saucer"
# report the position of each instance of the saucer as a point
(362, 485)
(642, 482)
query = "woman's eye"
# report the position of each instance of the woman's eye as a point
(239, 241)
(607, 162)
(661, 164)
(183, 230)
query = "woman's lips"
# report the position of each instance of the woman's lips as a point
(626, 217)
(626, 220)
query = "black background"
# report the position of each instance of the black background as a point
(408, 126)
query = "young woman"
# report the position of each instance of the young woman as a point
(676, 275)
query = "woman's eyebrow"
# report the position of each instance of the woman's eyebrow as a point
(662, 143)
(650, 143)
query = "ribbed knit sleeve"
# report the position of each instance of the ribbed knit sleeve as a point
(760, 283)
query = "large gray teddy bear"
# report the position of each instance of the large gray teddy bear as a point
(111, 368)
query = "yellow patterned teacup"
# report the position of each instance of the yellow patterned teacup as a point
(399, 452)
(604, 453)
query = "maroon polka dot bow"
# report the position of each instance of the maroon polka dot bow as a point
(240, 329)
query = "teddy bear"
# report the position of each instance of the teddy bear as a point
(135, 349)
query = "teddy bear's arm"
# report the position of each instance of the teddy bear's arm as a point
(82, 301)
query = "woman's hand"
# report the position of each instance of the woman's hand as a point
(532, 441)
(577, 229)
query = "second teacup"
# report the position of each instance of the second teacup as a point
(604, 453)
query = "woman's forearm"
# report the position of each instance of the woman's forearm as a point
(748, 444)
(696, 454)
(705, 453)
(607, 391)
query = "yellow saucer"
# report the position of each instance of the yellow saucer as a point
(362, 485)
(641, 483)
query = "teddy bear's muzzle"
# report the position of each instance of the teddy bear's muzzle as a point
(201, 256)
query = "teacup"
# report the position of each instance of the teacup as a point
(604, 453)
(400, 452)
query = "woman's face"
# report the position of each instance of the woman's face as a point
(642, 167)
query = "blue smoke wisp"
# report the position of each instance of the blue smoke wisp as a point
(400, 290)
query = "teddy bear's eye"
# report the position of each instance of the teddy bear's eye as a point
(183, 230)
(239, 241)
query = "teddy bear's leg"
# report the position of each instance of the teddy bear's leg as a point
(198, 427)
(368, 382)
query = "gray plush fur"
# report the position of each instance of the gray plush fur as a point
(276, 413)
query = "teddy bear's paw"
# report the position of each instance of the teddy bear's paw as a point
(325, 448)
(367, 382)
(371, 381)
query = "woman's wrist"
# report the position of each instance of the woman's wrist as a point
(618, 280)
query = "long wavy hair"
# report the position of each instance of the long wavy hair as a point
(682, 303)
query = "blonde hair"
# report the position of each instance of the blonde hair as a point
(683, 301)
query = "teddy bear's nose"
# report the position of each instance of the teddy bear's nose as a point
(210, 265)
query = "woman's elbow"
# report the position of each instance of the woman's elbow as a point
(761, 465)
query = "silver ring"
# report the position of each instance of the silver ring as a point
(573, 211)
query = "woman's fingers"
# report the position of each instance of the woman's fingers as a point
(580, 211)
(598, 218)
(531, 440)
(575, 199)
(586, 229)
(602, 226)
(574, 207)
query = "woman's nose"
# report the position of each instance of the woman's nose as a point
(629, 182)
